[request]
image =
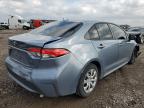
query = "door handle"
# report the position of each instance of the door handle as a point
(101, 46)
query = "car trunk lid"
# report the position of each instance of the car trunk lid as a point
(34, 40)
(20, 43)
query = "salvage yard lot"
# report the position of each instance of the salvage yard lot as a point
(121, 89)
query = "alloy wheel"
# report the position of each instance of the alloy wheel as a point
(90, 80)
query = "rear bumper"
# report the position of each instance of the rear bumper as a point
(50, 82)
(22, 81)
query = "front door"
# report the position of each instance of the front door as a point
(124, 50)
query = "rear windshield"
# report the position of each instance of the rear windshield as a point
(61, 29)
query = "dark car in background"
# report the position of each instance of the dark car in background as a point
(4, 26)
(125, 27)
(138, 32)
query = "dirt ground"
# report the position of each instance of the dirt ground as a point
(121, 89)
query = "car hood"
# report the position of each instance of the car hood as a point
(37, 40)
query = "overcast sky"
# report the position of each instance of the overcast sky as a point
(117, 11)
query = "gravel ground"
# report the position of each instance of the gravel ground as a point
(121, 89)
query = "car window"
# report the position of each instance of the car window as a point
(19, 20)
(117, 32)
(72, 30)
(104, 31)
(92, 34)
(59, 28)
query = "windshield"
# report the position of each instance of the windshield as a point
(21, 21)
(58, 28)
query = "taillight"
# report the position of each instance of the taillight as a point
(46, 53)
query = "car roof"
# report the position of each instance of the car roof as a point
(87, 21)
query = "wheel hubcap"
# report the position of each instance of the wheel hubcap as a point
(90, 80)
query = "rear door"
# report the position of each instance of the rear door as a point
(124, 50)
(105, 45)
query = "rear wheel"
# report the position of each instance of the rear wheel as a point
(87, 81)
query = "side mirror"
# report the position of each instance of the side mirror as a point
(131, 37)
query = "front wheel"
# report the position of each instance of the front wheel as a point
(132, 59)
(88, 81)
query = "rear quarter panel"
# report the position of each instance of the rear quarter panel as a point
(79, 47)
(82, 49)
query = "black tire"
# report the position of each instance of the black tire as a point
(80, 89)
(25, 28)
(133, 57)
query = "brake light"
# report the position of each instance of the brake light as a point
(45, 53)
